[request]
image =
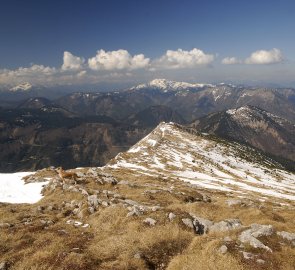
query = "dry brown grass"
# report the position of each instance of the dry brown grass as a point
(114, 241)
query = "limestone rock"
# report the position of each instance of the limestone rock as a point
(223, 249)
(250, 236)
(288, 236)
(226, 225)
(150, 221)
(171, 216)
(188, 222)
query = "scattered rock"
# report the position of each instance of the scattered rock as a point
(288, 236)
(248, 255)
(150, 221)
(91, 210)
(4, 265)
(135, 211)
(130, 202)
(260, 261)
(227, 239)
(83, 192)
(226, 225)
(5, 225)
(124, 182)
(188, 222)
(250, 236)
(201, 225)
(223, 249)
(137, 255)
(233, 202)
(93, 201)
(155, 208)
(171, 216)
(206, 198)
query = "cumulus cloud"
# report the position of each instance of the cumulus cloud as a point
(265, 57)
(230, 61)
(72, 62)
(183, 59)
(117, 60)
(36, 73)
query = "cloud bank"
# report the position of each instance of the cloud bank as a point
(180, 59)
(260, 57)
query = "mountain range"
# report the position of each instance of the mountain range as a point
(91, 128)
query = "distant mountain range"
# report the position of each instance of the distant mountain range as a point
(90, 128)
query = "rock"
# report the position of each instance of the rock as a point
(206, 198)
(91, 210)
(110, 180)
(250, 236)
(233, 202)
(92, 172)
(130, 202)
(155, 208)
(80, 174)
(123, 182)
(202, 225)
(5, 225)
(227, 239)
(188, 222)
(137, 255)
(261, 230)
(226, 225)
(76, 211)
(83, 192)
(150, 221)
(4, 266)
(248, 255)
(223, 249)
(260, 261)
(135, 211)
(105, 203)
(288, 236)
(171, 216)
(93, 201)
(40, 208)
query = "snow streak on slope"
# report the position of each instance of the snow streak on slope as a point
(14, 190)
(174, 152)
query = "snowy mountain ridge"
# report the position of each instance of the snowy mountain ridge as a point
(179, 153)
(166, 85)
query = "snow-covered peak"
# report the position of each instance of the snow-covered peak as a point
(166, 85)
(245, 110)
(22, 87)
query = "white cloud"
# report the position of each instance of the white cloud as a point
(265, 57)
(72, 62)
(34, 73)
(117, 60)
(183, 59)
(230, 61)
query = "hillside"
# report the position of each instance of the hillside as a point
(253, 126)
(175, 198)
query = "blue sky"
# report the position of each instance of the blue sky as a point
(240, 41)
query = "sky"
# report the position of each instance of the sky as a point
(126, 42)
